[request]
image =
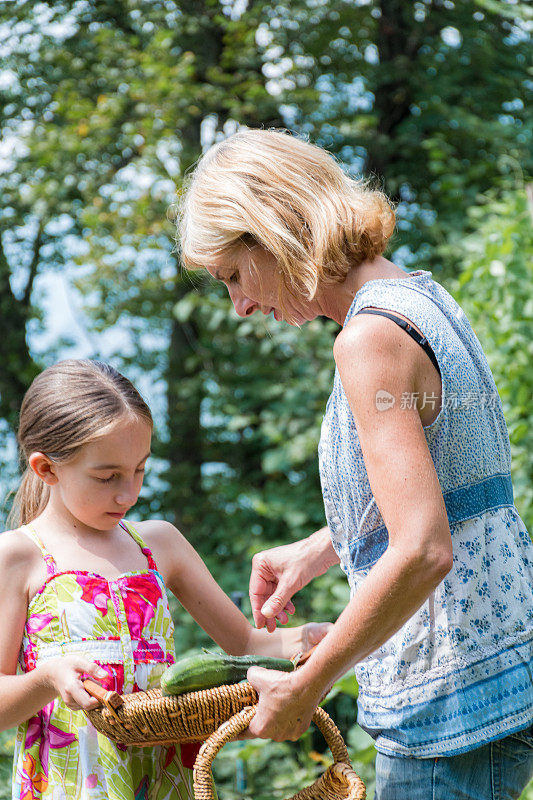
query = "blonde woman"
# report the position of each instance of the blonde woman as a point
(415, 470)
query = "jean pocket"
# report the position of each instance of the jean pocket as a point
(525, 736)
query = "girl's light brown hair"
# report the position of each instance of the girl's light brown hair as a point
(68, 405)
(290, 197)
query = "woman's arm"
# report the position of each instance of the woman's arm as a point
(407, 491)
(190, 581)
(22, 696)
(279, 573)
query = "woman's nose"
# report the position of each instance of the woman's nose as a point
(242, 304)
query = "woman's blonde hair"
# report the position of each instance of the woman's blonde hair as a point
(67, 406)
(290, 197)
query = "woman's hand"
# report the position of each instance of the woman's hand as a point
(286, 705)
(287, 701)
(279, 573)
(271, 586)
(66, 675)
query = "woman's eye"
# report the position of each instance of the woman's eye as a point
(233, 278)
(105, 480)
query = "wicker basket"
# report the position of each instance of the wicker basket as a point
(217, 716)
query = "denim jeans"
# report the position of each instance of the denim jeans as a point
(497, 771)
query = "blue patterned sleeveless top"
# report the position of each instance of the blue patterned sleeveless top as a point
(459, 673)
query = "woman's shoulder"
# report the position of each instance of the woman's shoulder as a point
(376, 339)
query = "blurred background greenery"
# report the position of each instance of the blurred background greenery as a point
(105, 105)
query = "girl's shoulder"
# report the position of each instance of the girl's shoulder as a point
(158, 530)
(20, 559)
(168, 546)
(157, 533)
(16, 547)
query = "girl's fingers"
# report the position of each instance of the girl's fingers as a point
(315, 632)
(81, 700)
(90, 704)
(90, 669)
(75, 696)
(97, 672)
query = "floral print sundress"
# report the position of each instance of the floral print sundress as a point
(125, 626)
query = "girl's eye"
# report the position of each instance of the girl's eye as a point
(234, 278)
(105, 480)
(115, 475)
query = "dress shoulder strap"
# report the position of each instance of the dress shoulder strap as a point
(128, 527)
(51, 566)
(421, 340)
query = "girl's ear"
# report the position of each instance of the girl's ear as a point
(43, 468)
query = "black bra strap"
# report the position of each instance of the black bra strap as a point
(421, 340)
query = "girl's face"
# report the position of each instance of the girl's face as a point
(253, 285)
(102, 482)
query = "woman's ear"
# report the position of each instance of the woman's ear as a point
(43, 468)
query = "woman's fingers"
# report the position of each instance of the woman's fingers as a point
(282, 712)
(263, 582)
(279, 602)
(272, 585)
(283, 616)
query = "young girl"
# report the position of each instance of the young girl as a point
(83, 593)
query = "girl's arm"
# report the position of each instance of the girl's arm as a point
(188, 578)
(22, 696)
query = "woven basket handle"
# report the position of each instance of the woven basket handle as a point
(111, 700)
(203, 779)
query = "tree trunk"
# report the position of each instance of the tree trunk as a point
(398, 39)
(18, 368)
(184, 399)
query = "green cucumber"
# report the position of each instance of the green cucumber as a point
(214, 669)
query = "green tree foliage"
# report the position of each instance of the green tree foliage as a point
(433, 97)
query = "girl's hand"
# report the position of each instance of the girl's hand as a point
(313, 633)
(66, 675)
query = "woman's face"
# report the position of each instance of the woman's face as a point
(253, 283)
